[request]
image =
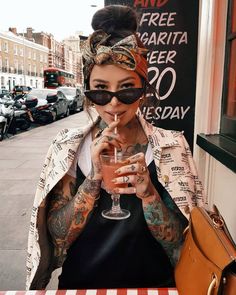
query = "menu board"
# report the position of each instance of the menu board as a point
(169, 29)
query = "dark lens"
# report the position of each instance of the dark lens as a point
(129, 96)
(126, 96)
(100, 97)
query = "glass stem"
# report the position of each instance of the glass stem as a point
(115, 203)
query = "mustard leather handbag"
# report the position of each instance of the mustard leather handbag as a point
(207, 264)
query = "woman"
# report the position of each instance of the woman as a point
(95, 252)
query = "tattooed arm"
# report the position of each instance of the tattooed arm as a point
(69, 209)
(165, 224)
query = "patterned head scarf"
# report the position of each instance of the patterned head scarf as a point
(124, 53)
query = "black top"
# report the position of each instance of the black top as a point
(117, 253)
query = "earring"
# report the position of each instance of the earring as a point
(141, 101)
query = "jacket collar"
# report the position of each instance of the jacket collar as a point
(75, 135)
(159, 137)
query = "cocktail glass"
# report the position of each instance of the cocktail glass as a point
(110, 163)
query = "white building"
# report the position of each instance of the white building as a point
(21, 61)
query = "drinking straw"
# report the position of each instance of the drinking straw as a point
(115, 131)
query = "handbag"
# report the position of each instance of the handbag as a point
(207, 264)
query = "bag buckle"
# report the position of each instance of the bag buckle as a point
(218, 222)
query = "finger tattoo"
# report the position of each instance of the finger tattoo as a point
(140, 179)
(132, 168)
(125, 179)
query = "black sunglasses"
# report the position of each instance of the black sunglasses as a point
(103, 97)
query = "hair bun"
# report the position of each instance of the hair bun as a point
(115, 18)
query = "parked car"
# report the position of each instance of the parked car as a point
(52, 100)
(20, 89)
(75, 97)
(4, 92)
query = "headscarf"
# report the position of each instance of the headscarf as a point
(124, 53)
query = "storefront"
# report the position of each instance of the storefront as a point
(215, 113)
(200, 71)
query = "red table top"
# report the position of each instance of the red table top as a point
(149, 291)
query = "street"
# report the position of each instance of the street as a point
(21, 160)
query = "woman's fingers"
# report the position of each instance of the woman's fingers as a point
(113, 125)
(135, 168)
(135, 173)
(109, 139)
(139, 157)
(133, 179)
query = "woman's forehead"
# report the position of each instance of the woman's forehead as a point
(112, 72)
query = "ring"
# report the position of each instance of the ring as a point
(143, 169)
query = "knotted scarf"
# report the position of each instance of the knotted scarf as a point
(124, 53)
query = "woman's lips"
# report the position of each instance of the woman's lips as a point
(113, 114)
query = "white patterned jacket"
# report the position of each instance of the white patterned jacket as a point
(175, 169)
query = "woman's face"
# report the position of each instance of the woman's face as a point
(114, 78)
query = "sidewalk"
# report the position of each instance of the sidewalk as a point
(21, 160)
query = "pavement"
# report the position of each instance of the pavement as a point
(21, 160)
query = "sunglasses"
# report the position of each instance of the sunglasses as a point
(103, 97)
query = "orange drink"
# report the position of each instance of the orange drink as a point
(109, 165)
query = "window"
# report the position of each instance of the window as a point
(16, 64)
(222, 146)
(20, 51)
(41, 71)
(21, 68)
(5, 46)
(2, 82)
(34, 70)
(15, 49)
(29, 69)
(6, 64)
(228, 119)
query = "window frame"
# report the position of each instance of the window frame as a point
(228, 124)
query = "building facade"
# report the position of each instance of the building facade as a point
(24, 56)
(64, 55)
(74, 43)
(21, 61)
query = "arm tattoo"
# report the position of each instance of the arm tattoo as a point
(165, 226)
(69, 210)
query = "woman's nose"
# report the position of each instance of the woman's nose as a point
(114, 101)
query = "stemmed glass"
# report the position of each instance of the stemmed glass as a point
(110, 163)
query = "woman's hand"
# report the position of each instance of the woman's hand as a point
(106, 141)
(136, 173)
